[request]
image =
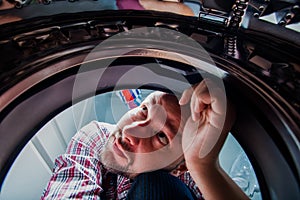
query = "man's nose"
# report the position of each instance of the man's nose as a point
(137, 133)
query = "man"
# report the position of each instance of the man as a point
(105, 161)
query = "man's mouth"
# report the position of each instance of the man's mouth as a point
(117, 147)
(118, 151)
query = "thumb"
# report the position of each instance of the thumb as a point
(186, 96)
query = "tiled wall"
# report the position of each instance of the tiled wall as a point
(32, 169)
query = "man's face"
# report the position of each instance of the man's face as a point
(146, 138)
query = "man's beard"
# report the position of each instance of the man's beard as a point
(107, 158)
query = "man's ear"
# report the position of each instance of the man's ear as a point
(180, 169)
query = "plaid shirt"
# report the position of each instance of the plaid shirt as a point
(78, 174)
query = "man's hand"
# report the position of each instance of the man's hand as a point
(206, 130)
(203, 137)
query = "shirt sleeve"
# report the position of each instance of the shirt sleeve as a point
(188, 180)
(77, 173)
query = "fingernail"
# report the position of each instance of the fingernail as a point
(193, 117)
(181, 102)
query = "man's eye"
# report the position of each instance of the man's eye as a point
(163, 138)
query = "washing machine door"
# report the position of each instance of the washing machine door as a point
(53, 59)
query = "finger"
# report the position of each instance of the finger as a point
(216, 120)
(219, 102)
(200, 100)
(186, 96)
(204, 93)
(194, 105)
(217, 96)
(199, 90)
(197, 104)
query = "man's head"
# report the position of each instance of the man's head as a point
(148, 137)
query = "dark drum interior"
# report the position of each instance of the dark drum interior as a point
(42, 85)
